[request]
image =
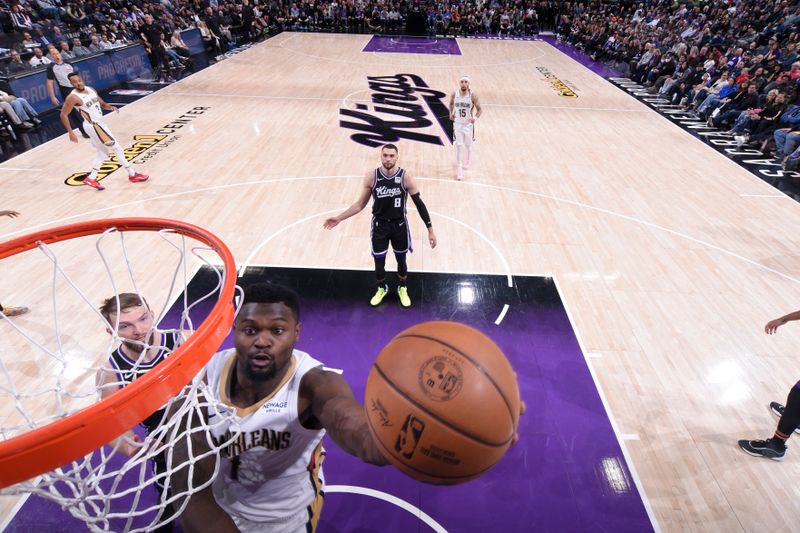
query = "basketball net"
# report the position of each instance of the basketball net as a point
(50, 359)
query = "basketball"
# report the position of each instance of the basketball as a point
(442, 402)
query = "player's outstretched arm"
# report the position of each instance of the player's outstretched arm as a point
(106, 382)
(773, 325)
(105, 105)
(361, 203)
(334, 407)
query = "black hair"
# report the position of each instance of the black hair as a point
(272, 293)
(71, 75)
(390, 147)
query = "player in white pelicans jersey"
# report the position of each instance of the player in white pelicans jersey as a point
(465, 109)
(283, 403)
(90, 106)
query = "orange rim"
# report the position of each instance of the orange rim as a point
(65, 440)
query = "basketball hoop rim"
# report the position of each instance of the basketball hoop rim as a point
(60, 442)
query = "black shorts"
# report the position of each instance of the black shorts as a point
(395, 232)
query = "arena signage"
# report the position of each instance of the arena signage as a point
(563, 88)
(144, 147)
(760, 164)
(400, 107)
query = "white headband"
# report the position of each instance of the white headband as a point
(464, 78)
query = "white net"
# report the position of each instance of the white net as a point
(56, 361)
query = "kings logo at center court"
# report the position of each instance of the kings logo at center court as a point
(401, 107)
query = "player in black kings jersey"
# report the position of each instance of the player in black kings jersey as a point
(389, 186)
(142, 348)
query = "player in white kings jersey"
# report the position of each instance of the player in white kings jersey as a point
(90, 106)
(274, 405)
(465, 109)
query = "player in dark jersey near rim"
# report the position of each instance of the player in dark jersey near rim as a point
(137, 331)
(389, 186)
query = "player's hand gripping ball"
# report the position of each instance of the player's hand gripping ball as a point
(442, 402)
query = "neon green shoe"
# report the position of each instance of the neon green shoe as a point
(402, 293)
(380, 294)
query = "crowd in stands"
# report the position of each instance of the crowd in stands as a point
(81, 27)
(732, 63)
(33, 30)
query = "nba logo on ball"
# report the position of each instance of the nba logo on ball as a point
(448, 402)
(440, 378)
(409, 435)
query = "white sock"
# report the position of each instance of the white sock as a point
(121, 158)
(98, 161)
(458, 155)
(467, 150)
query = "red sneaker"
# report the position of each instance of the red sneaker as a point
(93, 183)
(138, 177)
(14, 311)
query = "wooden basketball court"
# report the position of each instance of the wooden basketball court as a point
(669, 258)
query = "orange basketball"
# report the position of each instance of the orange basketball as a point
(442, 402)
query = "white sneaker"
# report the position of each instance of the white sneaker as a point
(459, 174)
(466, 164)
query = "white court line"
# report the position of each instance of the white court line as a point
(647, 108)
(488, 241)
(674, 124)
(402, 504)
(594, 355)
(167, 196)
(415, 61)
(48, 143)
(629, 436)
(264, 96)
(442, 180)
(243, 268)
(427, 41)
(765, 196)
(361, 267)
(502, 315)
(347, 99)
(506, 266)
(569, 108)
(7, 520)
(629, 218)
(628, 460)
